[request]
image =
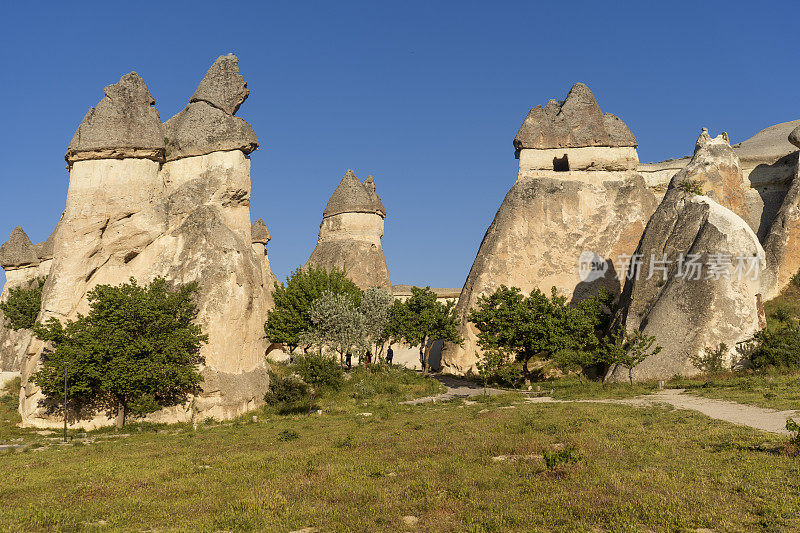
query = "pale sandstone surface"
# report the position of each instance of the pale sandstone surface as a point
(611, 158)
(684, 314)
(782, 243)
(544, 224)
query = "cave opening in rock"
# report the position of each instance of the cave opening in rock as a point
(561, 164)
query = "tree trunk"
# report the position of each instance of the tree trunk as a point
(121, 413)
(630, 375)
(423, 355)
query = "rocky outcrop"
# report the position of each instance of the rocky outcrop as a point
(350, 234)
(208, 123)
(697, 285)
(18, 251)
(124, 124)
(577, 122)
(594, 208)
(715, 169)
(187, 219)
(782, 243)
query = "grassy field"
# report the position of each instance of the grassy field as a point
(369, 464)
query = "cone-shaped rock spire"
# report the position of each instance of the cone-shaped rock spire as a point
(377, 204)
(124, 124)
(223, 87)
(18, 251)
(208, 123)
(259, 232)
(349, 197)
(577, 122)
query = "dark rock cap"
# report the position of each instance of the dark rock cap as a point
(123, 124)
(223, 86)
(794, 137)
(202, 129)
(369, 184)
(18, 251)
(259, 232)
(577, 122)
(44, 250)
(349, 197)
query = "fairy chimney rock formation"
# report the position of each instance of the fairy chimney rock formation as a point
(577, 201)
(259, 232)
(172, 201)
(350, 234)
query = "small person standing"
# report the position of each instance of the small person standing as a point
(389, 355)
(348, 360)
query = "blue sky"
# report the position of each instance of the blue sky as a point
(426, 96)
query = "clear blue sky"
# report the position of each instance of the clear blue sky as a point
(426, 96)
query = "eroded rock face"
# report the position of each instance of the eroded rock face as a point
(538, 235)
(186, 220)
(350, 234)
(715, 168)
(794, 137)
(124, 124)
(18, 251)
(684, 310)
(782, 243)
(223, 87)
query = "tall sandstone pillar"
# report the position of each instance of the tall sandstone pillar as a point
(172, 200)
(577, 195)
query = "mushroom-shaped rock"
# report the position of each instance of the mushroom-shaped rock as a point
(223, 87)
(45, 249)
(125, 124)
(369, 184)
(259, 232)
(794, 137)
(349, 197)
(575, 123)
(18, 251)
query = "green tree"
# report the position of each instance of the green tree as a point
(535, 327)
(136, 352)
(629, 348)
(23, 305)
(422, 319)
(291, 315)
(336, 323)
(375, 307)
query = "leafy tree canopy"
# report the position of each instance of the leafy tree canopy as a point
(423, 318)
(23, 305)
(135, 352)
(292, 314)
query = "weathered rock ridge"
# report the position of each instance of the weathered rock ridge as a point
(350, 234)
(186, 219)
(697, 286)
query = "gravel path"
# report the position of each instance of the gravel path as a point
(768, 420)
(456, 388)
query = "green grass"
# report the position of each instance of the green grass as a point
(474, 467)
(571, 388)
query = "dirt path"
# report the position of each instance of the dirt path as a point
(768, 420)
(456, 388)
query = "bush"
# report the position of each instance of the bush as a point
(319, 370)
(691, 186)
(712, 360)
(285, 390)
(779, 347)
(23, 305)
(567, 455)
